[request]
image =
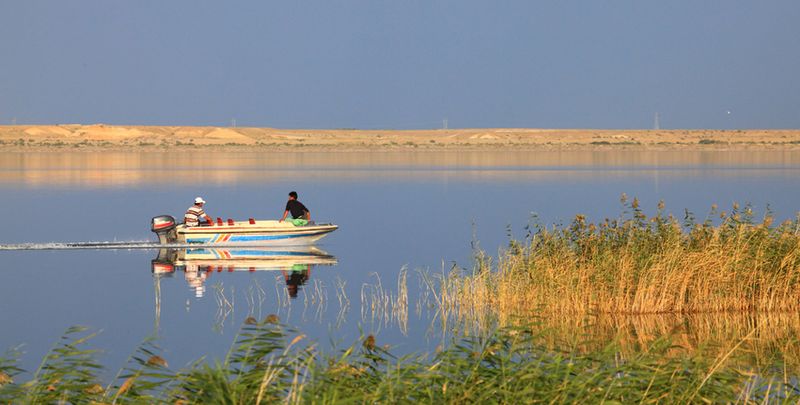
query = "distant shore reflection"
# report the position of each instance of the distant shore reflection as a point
(111, 169)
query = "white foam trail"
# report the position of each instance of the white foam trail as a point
(80, 245)
(112, 245)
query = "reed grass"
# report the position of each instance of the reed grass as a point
(382, 306)
(635, 264)
(272, 363)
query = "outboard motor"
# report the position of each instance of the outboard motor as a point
(164, 227)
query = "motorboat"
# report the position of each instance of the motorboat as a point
(237, 233)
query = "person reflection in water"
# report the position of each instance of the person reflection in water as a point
(196, 278)
(296, 277)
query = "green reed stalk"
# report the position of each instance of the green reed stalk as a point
(510, 365)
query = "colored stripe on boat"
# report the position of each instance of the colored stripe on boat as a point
(249, 238)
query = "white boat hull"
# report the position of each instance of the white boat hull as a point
(256, 233)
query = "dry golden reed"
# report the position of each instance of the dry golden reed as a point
(5, 379)
(636, 265)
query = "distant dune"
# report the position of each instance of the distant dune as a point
(100, 136)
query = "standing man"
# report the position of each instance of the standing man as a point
(300, 214)
(195, 213)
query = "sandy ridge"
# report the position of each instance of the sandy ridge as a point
(100, 136)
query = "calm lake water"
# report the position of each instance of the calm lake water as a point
(396, 210)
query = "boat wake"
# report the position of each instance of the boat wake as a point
(144, 244)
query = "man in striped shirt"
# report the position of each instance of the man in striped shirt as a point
(195, 213)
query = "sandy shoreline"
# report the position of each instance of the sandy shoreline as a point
(152, 138)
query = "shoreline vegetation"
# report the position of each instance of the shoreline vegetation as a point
(117, 137)
(729, 262)
(271, 363)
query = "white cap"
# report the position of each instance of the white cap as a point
(199, 200)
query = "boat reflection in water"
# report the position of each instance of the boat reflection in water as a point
(198, 264)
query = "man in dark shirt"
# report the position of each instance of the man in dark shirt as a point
(300, 214)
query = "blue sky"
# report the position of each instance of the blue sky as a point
(402, 64)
